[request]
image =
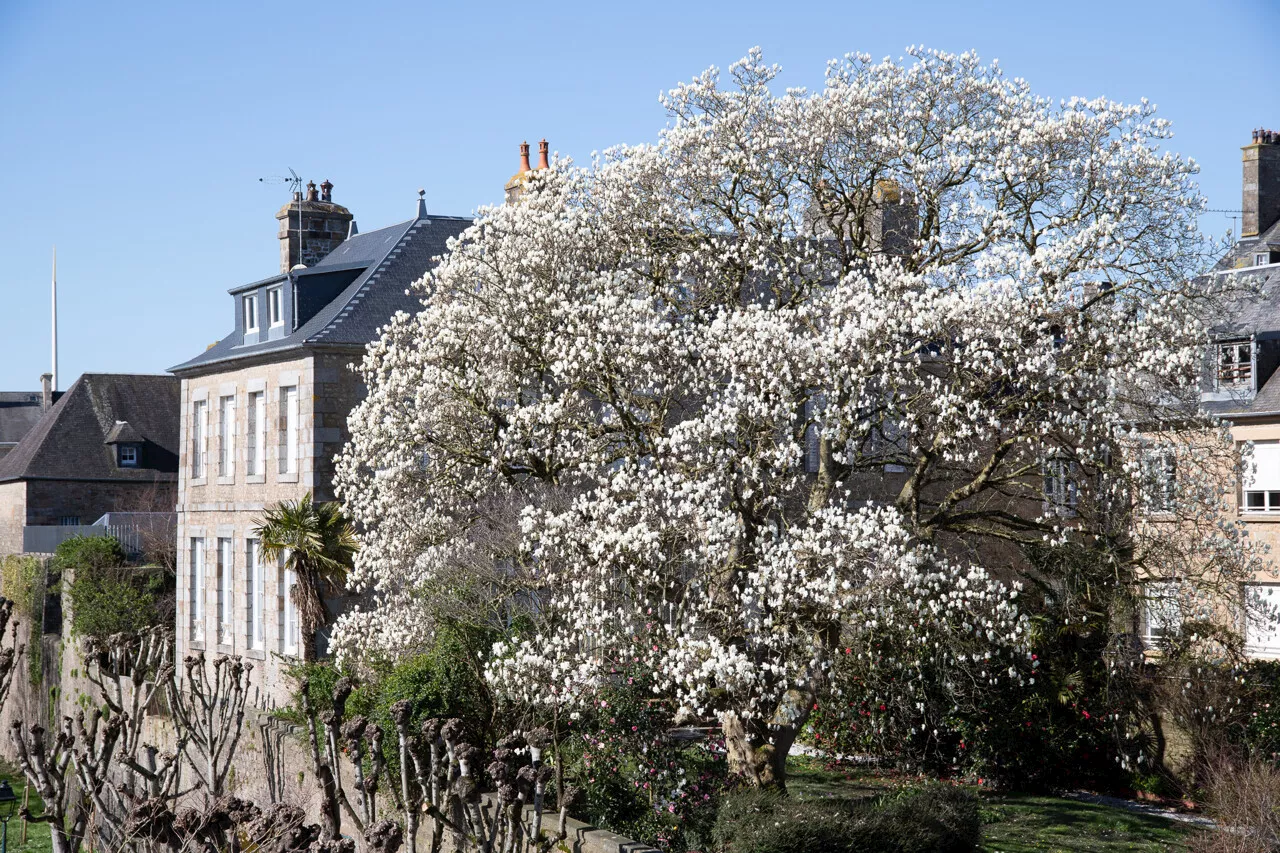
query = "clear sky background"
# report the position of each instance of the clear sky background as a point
(133, 134)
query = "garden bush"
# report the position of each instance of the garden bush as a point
(105, 595)
(930, 819)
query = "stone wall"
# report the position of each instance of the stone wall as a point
(13, 516)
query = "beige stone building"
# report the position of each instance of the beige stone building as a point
(264, 414)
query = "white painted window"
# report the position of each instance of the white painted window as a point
(225, 585)
(227, 436)
(1261, 259)
(255, 455)
(1262, 612)
(254, 591)
(128, 456)
(288, 425)
(1235, 364)
(288, 610)
(1159, 479)
(196, 582)
(1061, 486)
(251, 313)
(1261, 480)
(275, 308)
(199, 413)
(1161, 611)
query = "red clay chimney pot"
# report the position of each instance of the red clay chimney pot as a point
(543, 150)
(524, 156)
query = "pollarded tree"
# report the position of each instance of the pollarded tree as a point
(806, 373)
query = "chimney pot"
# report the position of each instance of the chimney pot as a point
(524, 156)
(543, 151)
(311, 191)
(46, 391)
(326, 191)
(422, 204)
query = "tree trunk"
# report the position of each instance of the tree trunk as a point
(751, 755)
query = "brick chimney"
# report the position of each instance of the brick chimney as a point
(515, 186)
(46, 391)
(1261, 185)
(324, 226)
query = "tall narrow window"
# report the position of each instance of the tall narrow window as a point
(1061, 488)
(250, 313)
(225, 618)
(288, 609)
(254, 589)
(256, 449)
(226, 436)
(196, 599)
(1159, 479)
(1161, 611)
(289, 430)
(198, 414)
(1262, 616)
(275, 311)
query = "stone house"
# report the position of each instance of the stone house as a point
(1242, 385)
(110, 443)
(264, 414)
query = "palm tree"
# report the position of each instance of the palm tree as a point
(318, 545)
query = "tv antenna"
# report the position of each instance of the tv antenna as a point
(1230, 214)
(295, 183)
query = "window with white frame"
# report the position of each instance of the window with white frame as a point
(196, 590)
(1262, 615)
(275, 307)
(1261, 259)
(255, 630)
(226, 436)
(251, 313)
(199, 413)
(288, 609)
(226, 614)
(127, 456)
(1159, 479)
(1061, 486)
(1235, 364)
(256, 451)
(1261, 478)
(1161, 611)
(288, 425)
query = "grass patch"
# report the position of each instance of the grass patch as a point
(1015, 823)
(38, 840)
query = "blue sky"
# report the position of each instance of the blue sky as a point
(132, 134)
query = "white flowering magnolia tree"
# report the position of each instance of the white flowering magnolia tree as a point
(727, 406)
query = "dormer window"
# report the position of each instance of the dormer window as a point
(127, 455)
(1235, 364)
(1261, 259)
(275, 307)
(251, 313)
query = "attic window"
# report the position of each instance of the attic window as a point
(251, 313)
(128, 456)
(1235, 363)
(1261, 259)
(275, 315)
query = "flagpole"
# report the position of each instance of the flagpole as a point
(55, 318)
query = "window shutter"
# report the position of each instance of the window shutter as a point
(1265, 473)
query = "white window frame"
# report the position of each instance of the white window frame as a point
(250, 312)
(196, 592)
(199, 439)
(226, 583)
(128, 456)
(256, 451)
(1261, 259)
(1261, 496)
(275, 306)
(1159, 483)
(1162, 615)
(227, 435)
(1234, 367)
(1061, 486)
(288, 611)
(255, 624)
(1271, 647)
(288, 426)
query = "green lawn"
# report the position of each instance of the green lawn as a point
(1014, 823)
(37, 833)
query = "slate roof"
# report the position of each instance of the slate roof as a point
(389, 259)
(19, 412)
(70, 441)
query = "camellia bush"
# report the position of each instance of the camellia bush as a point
(797, 384)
